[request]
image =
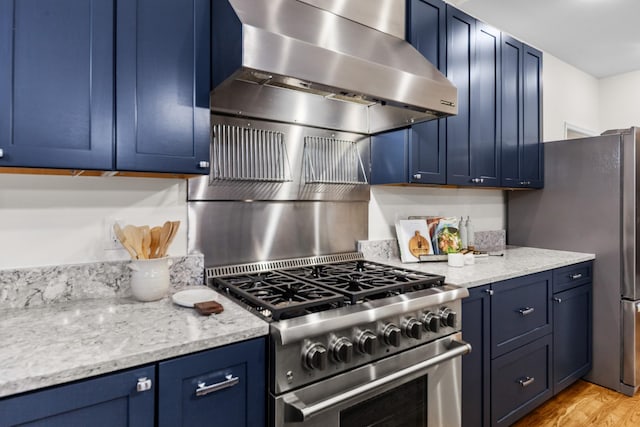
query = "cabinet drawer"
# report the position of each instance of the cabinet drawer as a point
(520, 312)
(225, 386)
(520, 381)
(572, 275)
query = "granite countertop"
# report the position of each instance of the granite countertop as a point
(57, 343)
(514, 262)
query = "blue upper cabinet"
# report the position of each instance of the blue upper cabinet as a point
(163, 83)
(57, 83)
(522, 148)
(473, 137)
(417, 154)
(63, 106)
(426, 31)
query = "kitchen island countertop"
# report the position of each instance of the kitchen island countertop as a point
(58, 343)
(514, 262)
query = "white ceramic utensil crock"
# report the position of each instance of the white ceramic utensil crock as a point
(150, 278)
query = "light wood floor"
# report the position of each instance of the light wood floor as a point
(586, 404)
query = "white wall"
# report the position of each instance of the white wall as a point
(486, 208)
(568, 95)
(49, 220)
(620, 101)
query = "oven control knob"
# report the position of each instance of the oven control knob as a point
(315, 357)
(412, 328)
(342, 350)
(367, 342)
(448, 317)
(431, 322)
(391, 334)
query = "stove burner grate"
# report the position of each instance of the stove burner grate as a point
(279, 296)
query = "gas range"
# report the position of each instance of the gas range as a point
(330, 314)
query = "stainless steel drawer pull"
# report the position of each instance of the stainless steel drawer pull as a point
(489, 291)
(417, 176)
(1, 153)
(558, 300)
(526, 381)
(301, 411)
(143, 384)
(526, 310)
(575, 276)
(204, 389)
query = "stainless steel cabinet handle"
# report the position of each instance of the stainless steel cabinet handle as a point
(558, 300)
(204, 389)
(417, 176)
(526, 310)
(203, 164)
(526, 381)
(1, 153)
(489, 291)
(301, 411)
(575, 276)
(477, 180)
(143, 384)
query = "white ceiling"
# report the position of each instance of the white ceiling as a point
(599, 37)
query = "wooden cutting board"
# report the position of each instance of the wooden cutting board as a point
(418, 245)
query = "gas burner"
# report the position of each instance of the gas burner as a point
(277, 296)
(293, 292)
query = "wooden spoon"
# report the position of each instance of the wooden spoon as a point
(174, 229)
(146, 241)
(155, 242)
(165, 233)
(123, 240)
(134, 237)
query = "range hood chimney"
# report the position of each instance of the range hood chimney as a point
(316, 63)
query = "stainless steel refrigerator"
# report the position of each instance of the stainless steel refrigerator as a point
(590, 204)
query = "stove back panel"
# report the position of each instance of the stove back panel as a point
(235, 232)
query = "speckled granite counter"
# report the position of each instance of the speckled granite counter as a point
(514, 262)
(57, 343)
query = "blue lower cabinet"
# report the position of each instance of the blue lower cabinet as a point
(476, 316)
(224, 387)
(572, 336)
(520, 381)
(122, 399)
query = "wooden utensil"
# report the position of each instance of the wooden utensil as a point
(134, 237)
(174, 229)
(123, 240)
(146, 241)
(155, 241)
(165, 233)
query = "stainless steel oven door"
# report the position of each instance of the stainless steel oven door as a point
(420, 387)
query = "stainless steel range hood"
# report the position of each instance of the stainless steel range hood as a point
(293, 62)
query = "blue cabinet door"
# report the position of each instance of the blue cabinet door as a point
(56, 83)
(532, 148)
(476, 318)
(461, 31)
(417, 154)
(572, 340)
(426, 31)
(473, 136)
(522, 148)
(485, 144)
(163, 81)
(111, 400)
(223, 387)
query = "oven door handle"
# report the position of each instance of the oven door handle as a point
(299, 411)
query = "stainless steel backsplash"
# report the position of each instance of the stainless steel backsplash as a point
(278, 191)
